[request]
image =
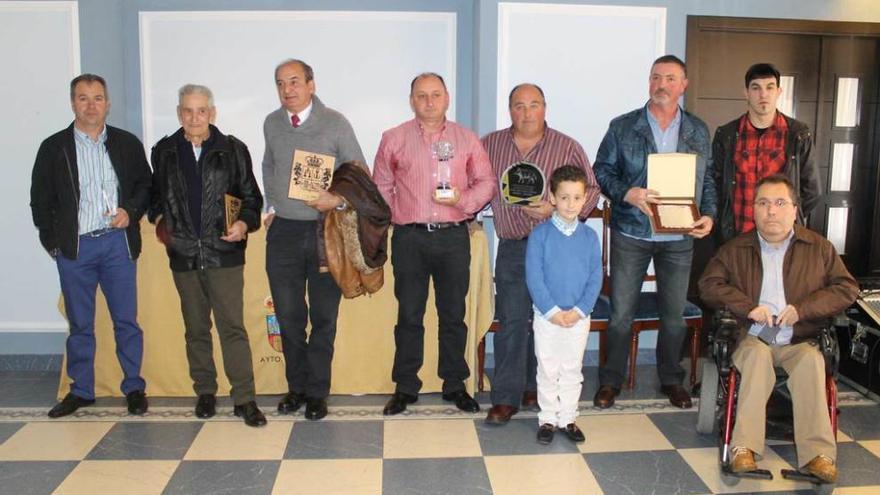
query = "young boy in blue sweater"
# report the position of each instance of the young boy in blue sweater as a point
(564, 275)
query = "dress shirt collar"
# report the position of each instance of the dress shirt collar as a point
(303, 116)
(567, 228)
(85, 138)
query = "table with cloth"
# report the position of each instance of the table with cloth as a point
(364, 339)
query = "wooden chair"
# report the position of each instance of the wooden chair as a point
(647, 316)
(598, 318)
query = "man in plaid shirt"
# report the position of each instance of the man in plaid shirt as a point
(760, 143)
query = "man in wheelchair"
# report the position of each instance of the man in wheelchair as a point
(782, 283)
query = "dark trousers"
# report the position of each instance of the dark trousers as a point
(515, 362)
(217, 290)
(292, 267)
(102, 261)
(629, 263)
(418, 256)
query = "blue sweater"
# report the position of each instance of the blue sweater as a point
(563, 272)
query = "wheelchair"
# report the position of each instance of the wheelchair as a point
(718, 397)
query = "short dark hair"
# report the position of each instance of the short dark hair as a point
(780, 179)
(671, 59)
(567, 173)
(523, 85)
(89, 79)
(423, 75)
(310, 74)
(761, 71)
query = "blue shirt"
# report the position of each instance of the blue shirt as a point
(772, 288)
(563, 271)
(98, 185)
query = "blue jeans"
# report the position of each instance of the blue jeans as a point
(102, 261)
(629, 263)
(292, 268)
(515, 362)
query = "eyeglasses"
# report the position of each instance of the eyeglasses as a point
(779, 203)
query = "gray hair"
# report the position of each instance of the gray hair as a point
(189, 89)
(425, 75)
(310, 74)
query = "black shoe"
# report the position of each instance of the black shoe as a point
(574, 433)
(397, 403)
(137, 402)
(604, 397)
(545, 433)
(206, 407)
(69, 405)
(678, 396)
(316, 408)
(463, 401)
(251, 414)
(291, 402)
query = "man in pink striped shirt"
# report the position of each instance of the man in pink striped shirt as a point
(527, 140)
(431, 239)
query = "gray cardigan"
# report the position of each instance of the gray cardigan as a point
(326, 131)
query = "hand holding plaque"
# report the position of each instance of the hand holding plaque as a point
(310, 173)
(232, 210)
(673, 176)
(522, 184)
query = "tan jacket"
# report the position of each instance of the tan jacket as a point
(816, 282)
(356, 238)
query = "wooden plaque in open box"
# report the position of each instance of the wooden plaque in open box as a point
(673, 176)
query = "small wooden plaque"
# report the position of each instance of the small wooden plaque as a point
(233, 208)
(310, 173)
(673, 215)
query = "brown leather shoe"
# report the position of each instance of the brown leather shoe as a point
(604, 397)
(500, 414)
(823, 468)
(678, 396)
(743, 460)
(530, 399)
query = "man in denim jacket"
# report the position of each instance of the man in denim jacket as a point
(661, 126)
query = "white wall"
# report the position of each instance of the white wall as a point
(39, 51)
(363, 63)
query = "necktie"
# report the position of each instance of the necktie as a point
(294, 120)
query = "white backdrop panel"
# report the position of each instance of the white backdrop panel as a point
(363, 62)
(591, 61)
(39, 53)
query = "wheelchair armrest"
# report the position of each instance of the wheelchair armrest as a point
(830, 350)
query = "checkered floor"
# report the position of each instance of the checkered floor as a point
(641, 446)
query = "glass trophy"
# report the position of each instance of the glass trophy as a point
(443, 151)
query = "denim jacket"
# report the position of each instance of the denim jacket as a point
(621, 163)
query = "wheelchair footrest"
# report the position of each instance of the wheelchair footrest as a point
(795, 475)
(757, 474)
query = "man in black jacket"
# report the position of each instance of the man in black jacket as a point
(760, 143)
(195, 170)
(89, 188)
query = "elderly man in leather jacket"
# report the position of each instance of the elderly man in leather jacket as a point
(194, 170)
(782, 283)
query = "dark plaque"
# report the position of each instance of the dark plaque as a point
(522, 183)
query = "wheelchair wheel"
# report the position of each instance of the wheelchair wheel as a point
(729, 479)
(706, 418)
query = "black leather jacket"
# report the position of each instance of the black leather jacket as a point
(55, 189)
(226, 168)
(800, 168)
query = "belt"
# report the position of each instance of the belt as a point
(431, 227)
(100, 232)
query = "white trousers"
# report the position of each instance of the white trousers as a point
(560, 353)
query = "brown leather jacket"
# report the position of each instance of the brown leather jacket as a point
(816, 282)
(355, 245)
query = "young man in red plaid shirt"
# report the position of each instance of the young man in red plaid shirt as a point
(760, 143)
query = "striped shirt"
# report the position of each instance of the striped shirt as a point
(98, 185)
(551, 152)
(405, 171)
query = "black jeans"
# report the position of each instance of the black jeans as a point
(292, 267)
(418, 256)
